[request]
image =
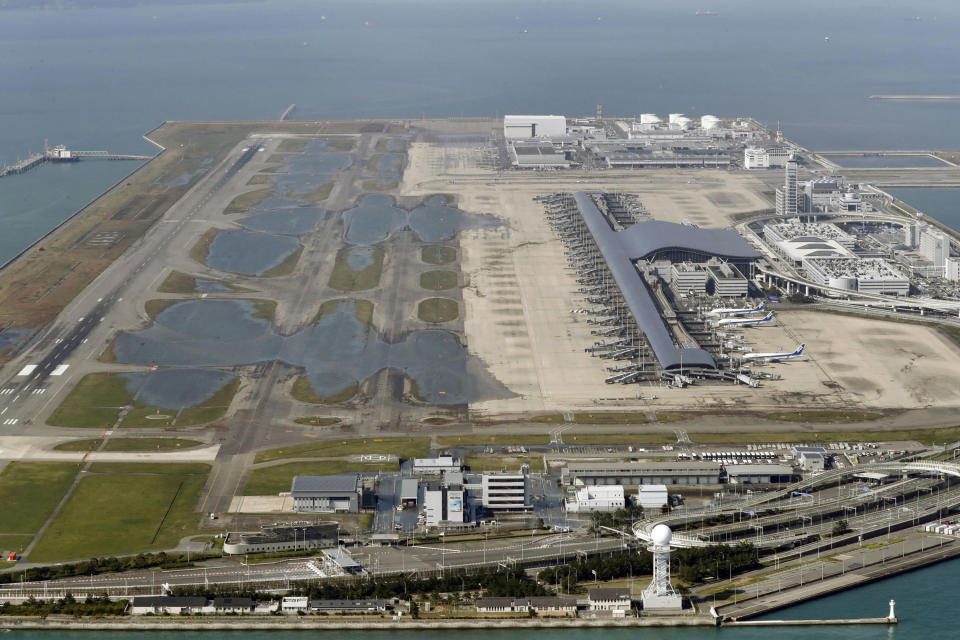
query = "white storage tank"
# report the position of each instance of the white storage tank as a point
(674, 116)
(649, 118)
(709, 122)
(683, 122)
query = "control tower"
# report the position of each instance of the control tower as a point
(660, 594)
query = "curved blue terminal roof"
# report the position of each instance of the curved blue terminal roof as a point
(620, 249)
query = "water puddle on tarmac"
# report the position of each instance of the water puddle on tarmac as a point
(336, 352)
(376, 217)
(176, 388)
(250, 253)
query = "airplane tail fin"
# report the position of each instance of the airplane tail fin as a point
(761, 306)
(800, 350)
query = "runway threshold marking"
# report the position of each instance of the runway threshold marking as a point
(27, 370)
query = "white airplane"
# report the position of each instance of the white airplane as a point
(774, 357)
(746, 322)
(719, 313)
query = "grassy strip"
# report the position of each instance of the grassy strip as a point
(438, 254)
(319, 194)
(30, 491)
(116, 514)
(438, 280)
(504, 439)
(151, 468)
(363, 309)
(825, 415)
(264, 309)
(402, 447)
(259, 179)
(96, 401)
(303, 391)
(437, 310)
(128, 444)
(179, 282)
(246, 201)
(269, 481)
(344, 278)
(378, 185)
(201, 250)
(278, 158)
(317, 421)
(487, 463)
(293, 145)
(286, 267)
(923, 436)
(155, 307)
(619, 438)
(618, 417)
(549, 418)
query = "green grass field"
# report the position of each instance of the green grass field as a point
(438, 254)
(201, 248)
(502, 439)
(30, 491)
(363, 309)
(303, 391)
(292, 145)
(128, 444)
(119, 513)
(246, 201)
(402, 447)
(97, 400)
(438, 280)
(549, 418)
(437, 310)
(343, 278)
(319, 194)
(286, 267)
(825, 415)
(151, 468)
(610, 417)
(269, 481)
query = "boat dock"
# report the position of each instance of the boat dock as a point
(60, 153)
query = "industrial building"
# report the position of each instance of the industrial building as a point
(652, 496)
(340, 493)
(443, 504)
(600, 498)
(864, 275)
(637, 473)
(505, 491)
(436, 466)
(771, 157)
(761, 474)
(283, 538)
(537, 155)
(526, 127)
(811, 459)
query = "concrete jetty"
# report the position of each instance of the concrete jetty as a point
(915, 97)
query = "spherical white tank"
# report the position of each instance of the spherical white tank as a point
(661, 535)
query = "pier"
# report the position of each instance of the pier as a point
(915, 97)
(60, 153)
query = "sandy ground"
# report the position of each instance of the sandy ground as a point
(519, 296)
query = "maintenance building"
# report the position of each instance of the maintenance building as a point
(339, 493)
(636, 473)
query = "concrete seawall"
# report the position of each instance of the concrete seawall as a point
(313, 624)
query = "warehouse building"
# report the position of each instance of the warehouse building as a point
(340, 493)
(537, 155)
(601, 498)
(637, 473)
(283, 538)
(761, 474)
(525, 127)
(652, 496)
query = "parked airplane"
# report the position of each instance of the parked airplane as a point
(774, 357)
(719, 313)
(745, 322)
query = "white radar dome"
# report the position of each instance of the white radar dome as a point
(661, 535)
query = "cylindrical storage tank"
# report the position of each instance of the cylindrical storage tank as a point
(674, 116)
(709, 122)
(649, 118)
(683, 122)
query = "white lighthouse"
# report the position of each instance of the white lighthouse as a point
(660, 594)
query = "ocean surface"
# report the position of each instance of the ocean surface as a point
(925, 606)
(99, 76)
